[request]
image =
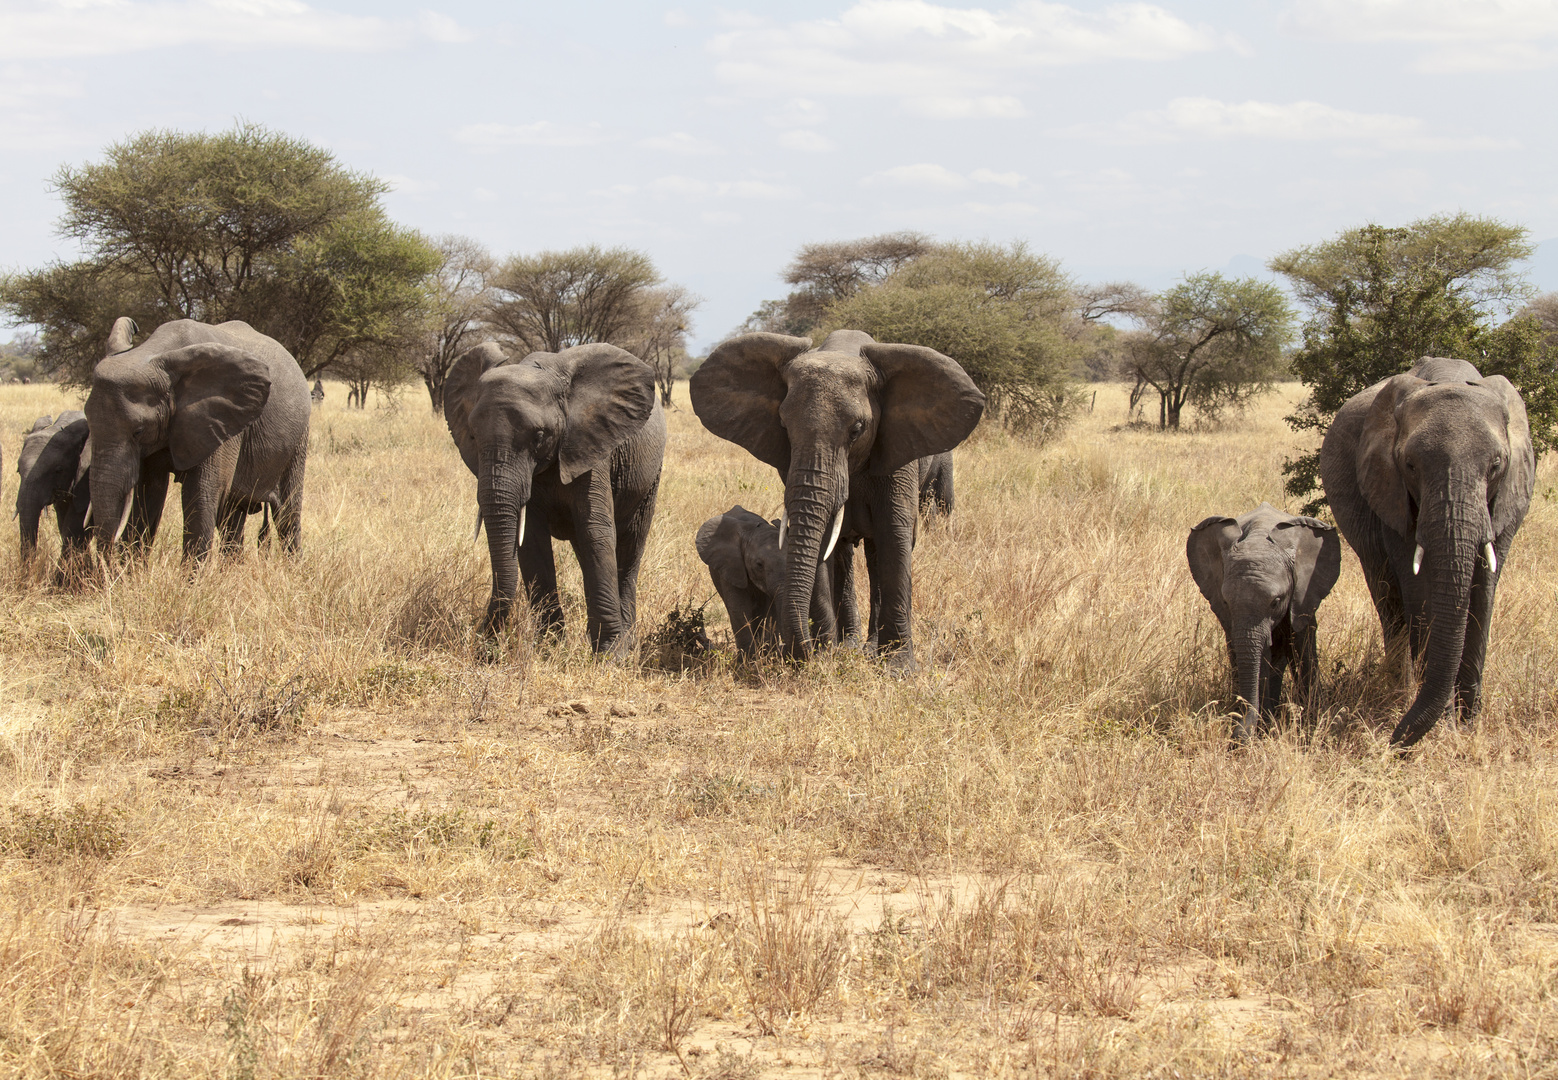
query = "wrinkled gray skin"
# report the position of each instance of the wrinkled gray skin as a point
(1265, 573)
(746, 564)
(575, 440)
(47, 466)
(845, 425)
(222, 409)
(1438, 457)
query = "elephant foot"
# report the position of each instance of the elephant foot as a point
(900, 663)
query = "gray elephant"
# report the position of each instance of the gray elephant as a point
(223, 409)
(578, 437)
(845, 425)
(48, 467)
(1265, 573)
(1429, 474)
(936, 495)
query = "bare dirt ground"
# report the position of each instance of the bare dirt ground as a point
(277, 818)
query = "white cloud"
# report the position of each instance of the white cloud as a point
(688, 187)
(899, 48)
(1192, 118)
(30, 118)
(680, 142)
(937, 178)
(798, 112)
(808, 142)
(1471, 35)
(541, 133)
(44, 29)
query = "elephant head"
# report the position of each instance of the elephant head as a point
(51, 454)
(742, 553)
(513, 419)
(1260, 572)
(188, 401)
(1445, 461)
(819, 416)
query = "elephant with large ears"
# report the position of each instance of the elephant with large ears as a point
(1265, 573)
(1430, 474)
(49, 469)
(845, 424)
(570, 443)
(222, 409)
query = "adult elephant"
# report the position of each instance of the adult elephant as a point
(222, 409)
(1430, 474)
(48, 467)
(845, 424)
(1265, 573)
(577, 437)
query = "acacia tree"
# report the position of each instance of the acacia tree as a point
(245, 224)
(458, 296)
(831, 272)
(661, 340)
(1380, 299)
(1209, 342)
(556, 299)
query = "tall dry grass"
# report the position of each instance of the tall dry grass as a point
(1037, 856)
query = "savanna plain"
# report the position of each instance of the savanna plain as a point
(286, 817)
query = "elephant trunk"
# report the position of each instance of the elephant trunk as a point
(1452, 530)
(814, 490)
(29, 509)
(502, 492)
(113, 479)
(1252, 653)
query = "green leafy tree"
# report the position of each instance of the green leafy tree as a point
(244, 224)
(833, 271)
(557, 299)
(1209, 343)
(1381, 298)
(1003, 312)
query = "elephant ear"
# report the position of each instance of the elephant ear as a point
(738, 390)
(929, 404)
(719, 546)
(460, 395)
(122, 337)
(1317, 560)
(611, 393)
(66, 449)
(1204, 550)
(41, 424)
(1512, 496)
(1379, 477)
(217, 392)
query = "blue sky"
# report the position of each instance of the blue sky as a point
(1132, 140)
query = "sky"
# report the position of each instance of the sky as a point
(1133, 141)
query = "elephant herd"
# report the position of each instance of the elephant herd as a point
(1429, 474)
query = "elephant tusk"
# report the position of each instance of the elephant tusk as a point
(123, 519)
(1417, 560)
(16, 514)
(475, 536)
(1487, 549)
(521, 541)
(784, 525)
(88, 519)
(838, 523)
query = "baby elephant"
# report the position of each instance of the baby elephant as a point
(49, 466)
(1265, 574)
(742, 553)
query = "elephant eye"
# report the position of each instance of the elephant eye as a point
(856, 428)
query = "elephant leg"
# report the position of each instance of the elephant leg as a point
(1479, 616)
(1305, 664)
(895, 517)
(231, 523)
(151, 495)
(595, 545)
(632, 538)
(824, 623)
(538, 570)
(1274, 670)
(845, 602)
(874, 600)
(289, 510)
(205, 494)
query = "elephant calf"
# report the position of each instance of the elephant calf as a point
(1264, 574)
(48, 466)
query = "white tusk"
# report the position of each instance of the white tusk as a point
(784, 525)
(838, 523)
(521, 541)
(1417, 560)
(1487, 549)
(475, 536)
(123, 518)
(88, 519)
(16, 514)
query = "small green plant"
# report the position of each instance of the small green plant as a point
(49, 832)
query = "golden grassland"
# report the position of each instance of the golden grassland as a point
(276, 817)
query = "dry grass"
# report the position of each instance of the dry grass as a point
(285, 818)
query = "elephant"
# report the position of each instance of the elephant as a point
(936, 495)
(1430, 474)
(48, 466)
(1265, 573)
(845, 424)
(579, 437)
(222, 409)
